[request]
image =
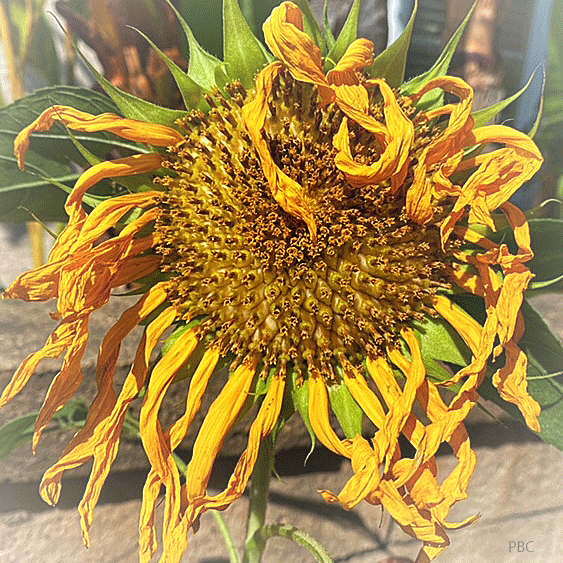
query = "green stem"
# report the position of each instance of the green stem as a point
(219, 519)
(259, 485)
(300, 538)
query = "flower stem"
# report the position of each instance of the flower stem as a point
(259, 485)
(300, 538)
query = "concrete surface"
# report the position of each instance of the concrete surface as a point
(516, 487)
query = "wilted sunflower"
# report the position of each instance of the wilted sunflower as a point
(303, 228)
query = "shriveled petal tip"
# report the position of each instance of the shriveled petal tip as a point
(153, 134)
(283, 32)
(358, 56)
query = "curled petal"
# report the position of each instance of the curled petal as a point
(156, 135)
(287, 192)
(283, 32)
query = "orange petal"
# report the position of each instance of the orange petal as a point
(216, 425)
(396, 135)
(319, 412)
(156, 135)
(512, 384)
(283, 32)
(262, 426)
(287, 192)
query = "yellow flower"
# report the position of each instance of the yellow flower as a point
(303, 228)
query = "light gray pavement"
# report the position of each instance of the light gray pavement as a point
(517, 487)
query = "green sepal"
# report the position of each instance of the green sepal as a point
(192, 92)
(485, 115)
(201, 65)
(328, 35)
(300, 398)
(440, 67)
(311, 26)
(537, 121)
(347, 411)
(348, 34)
(440, 342)
(545, 357)
(244, 55)
(391, 63)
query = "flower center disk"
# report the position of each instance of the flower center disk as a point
(251, 272)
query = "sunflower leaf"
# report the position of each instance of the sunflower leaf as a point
(244, 54)
(52, 155)
(547, 243)
(202, 65)
(192, 92)
(440, 67)
(311, 26)
(347, 411)
(545, 383)
(347, 35)
(391, 63)
(16, 433)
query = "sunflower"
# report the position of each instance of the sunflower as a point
(301, 231)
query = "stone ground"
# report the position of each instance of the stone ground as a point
(516, 488)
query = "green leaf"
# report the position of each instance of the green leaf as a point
(300, 397)
(390, 64)
(192, 92)
(51, 154)
(545, 357)
(133, 107)
(440, 67)
(547, 244)
(347, 411)
(244, 54)
(202, 65)
(16, 433)
(483, 116)
(311, 26)
(348, 34)
(204, 18)
(42, 55)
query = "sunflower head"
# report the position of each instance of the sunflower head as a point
(307, 223)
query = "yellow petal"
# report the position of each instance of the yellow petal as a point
(512, 384)
(358, 56)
